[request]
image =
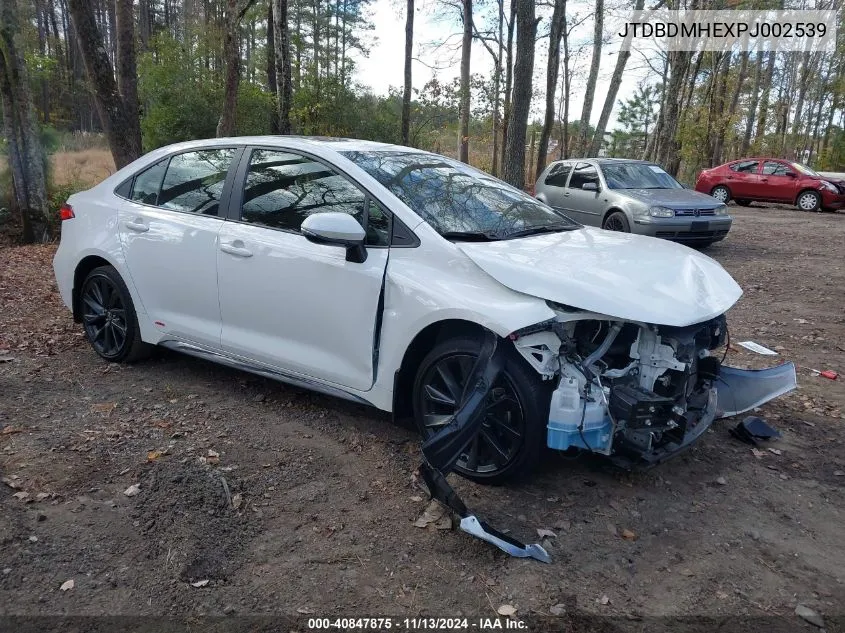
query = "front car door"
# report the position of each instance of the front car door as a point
(585, 205)
(778, 182)
(554, 186)
(168, 225)
(743, 179)
(298, 307)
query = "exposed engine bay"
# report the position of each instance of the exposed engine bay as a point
(636, 392)
(639, 393)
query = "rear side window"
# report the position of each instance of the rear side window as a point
(147, 183)
(583, 173)
(745, 166)
(194, 181)
(771, 168)
(558, 174)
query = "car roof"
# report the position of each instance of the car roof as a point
(607, 161)
(304, 142)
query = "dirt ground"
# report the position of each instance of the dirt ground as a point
(274, 500)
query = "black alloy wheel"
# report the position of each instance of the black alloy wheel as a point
(108, 316)
(510, 436)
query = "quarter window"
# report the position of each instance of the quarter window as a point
(583, 173)
(282, 189)
(194, 181)
(558, 174)
(147, 183)
(745, 166)
(771, 168)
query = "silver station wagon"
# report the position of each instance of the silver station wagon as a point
(634, 197)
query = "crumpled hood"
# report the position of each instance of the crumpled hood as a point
(631, 277)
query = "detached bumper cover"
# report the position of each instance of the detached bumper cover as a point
(741, 390)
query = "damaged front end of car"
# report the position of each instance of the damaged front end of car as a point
(639, 393)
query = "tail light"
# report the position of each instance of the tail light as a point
(66, 212)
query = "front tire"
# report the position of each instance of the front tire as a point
(809, 201)
(616, 221)
(109, 319)
(513, 431)
(721, 193)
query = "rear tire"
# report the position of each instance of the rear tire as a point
(721, 193)
(513, 431)
(809, 200)
(109, 319)
(616, 221)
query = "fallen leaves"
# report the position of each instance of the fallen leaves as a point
(628, 535)
(132, 490)
(199, 583)
(67, 584)
(506, 610)
(104, 408)
(435, 516)
(544, 533)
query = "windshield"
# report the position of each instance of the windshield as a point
(804, 169)
(456, 199)
(637, 176)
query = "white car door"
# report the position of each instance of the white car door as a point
(168, 231)
(285, 301)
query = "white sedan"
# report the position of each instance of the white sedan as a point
(376, 272)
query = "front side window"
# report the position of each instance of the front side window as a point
(745, 166)
(458, 201)
(282, 189)
(558, 175)
(582, 174)
(771, 168)
(194, 181)
(147, 184)
(637, 176)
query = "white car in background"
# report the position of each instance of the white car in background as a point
(376, 272)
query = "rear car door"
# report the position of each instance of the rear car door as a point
(743, 179)
(778, 182)
(168, 227)
(286, 302)
(586, 206)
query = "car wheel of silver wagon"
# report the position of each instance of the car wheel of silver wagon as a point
(721, 193)
(516, 411)
(809, 201)
(616, 221)
(108, 317)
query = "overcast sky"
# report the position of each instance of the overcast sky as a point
(434, 24)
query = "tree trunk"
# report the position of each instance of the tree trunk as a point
(406, 93)
(667, 144)
(764, 98)
(506, 114)
(26, 155)
(555, 32)
(227, 124)
(272, 85)
(466, 51)
(567, 82)
(589, 93)
(118, 123)
(127, 74)
(284, 88)
(526, 27)
(497, 85)
(752, 106)
(613, 89)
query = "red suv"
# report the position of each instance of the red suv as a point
(772, 180)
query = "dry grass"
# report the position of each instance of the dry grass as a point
(84, 168)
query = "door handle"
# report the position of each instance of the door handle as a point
(137, 226)
(236, 248)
